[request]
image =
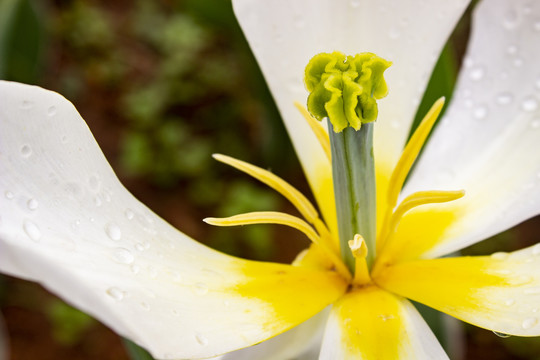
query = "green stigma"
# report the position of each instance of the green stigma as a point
(344, 89)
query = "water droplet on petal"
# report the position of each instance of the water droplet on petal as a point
(509, 302)
(115, 293)
(501, 335)
(529, 104)
(480, 112)
(536, 248)
(518, 62)
(510, 20)
(145, 306)
(97, 201)
(201, 339)
(123, 256)
(477, 73)
(94, 182)
(511, 49)
(51, 111)
(113, 231)
(529, 322)
(394, 33)
(27, 104)
(200, 289)
(32, 230)
(499, 256)
(32, 204)
(532, 291)
(26, 151)
(129, 214)
(135, 269)
(504, 98)
(9, 195)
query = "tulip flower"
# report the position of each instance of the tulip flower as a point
(67, 222)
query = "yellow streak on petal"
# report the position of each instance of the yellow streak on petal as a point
(292, 294)
(418, 231)
(303, 205)
(410, 202)
(317, 129)
(455, 286)
(371, 324)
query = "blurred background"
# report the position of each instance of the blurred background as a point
(163, 84)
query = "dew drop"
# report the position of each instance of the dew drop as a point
(152, 272)
(26, 151)
(201, 339)
(501, 335)
(139, 246)
(504, 98)
(115, 293)
(9, 195)
(94, 182)
(394, 33)
(299, 22)
(113, 231)
(529, 322)
(499, 256)
(123, 256)
(532, 291)
(511, 49)
(176, 276)
(51, 111)
(480, 112)
(529, 104)
(509, 302)
(468, 62)
(32, 230)
(536, 248)
(200, 289)
(32, 204)
(135, 269)
(145, 306)
(27, 104)
(510, 20)
(518, 62)
(129, 214)
(477, 73)
(97, 201)
(520, 280)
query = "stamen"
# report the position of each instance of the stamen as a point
(404, 164)
(267, 217)
(359, 250)
(299, 201)
(411, 151)
(273, 217)
(317, 129)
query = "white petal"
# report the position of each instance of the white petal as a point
(488, 143)
(68, 223)
(371, 323)
(301, 342)
(285, 35)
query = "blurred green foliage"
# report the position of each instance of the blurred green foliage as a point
(22, 41)
(68, 324)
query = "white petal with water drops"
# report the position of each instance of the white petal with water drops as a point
(491, 150)
(55, 232)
